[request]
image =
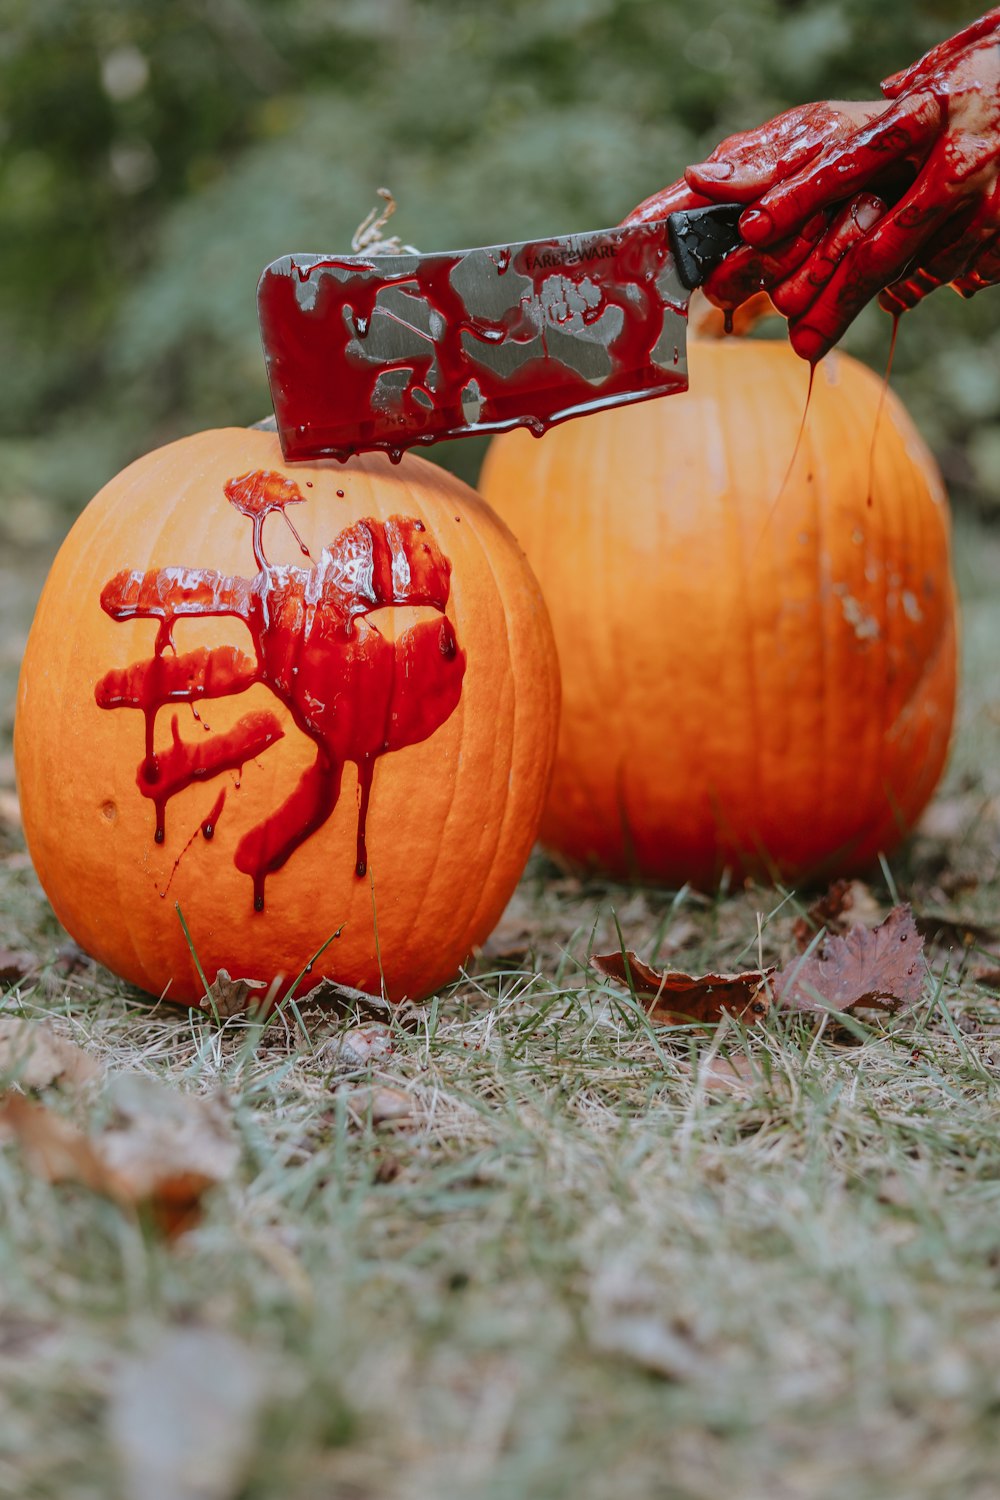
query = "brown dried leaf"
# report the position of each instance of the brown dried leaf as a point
(54, 1148)
(847, 903)
(705, 998)
(232, 997)
(162, 1154)
(167, 1149)
(358, 1047)
(342, 999)
(873, 967)
(379, 1105)
(35, 1056)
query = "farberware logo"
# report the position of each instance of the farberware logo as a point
(549, 258)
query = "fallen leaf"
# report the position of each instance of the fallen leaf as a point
(35, 1056)
(54, 1148)
(167, 1149)
(182, 1417)
(989, 978)
(705, 998)
(343, 999)
(232, 997)
(164, 1151)
(379, 1105)
(358, 1047)
(873, 967)
(846, 904)
(15, 965)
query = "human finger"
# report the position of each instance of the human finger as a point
(985, 272)
(800, 289)
(746, 164)
(746, 271)
(878, 259)
(844, 168)
(940, 56)
(667, 201)
(949, 255)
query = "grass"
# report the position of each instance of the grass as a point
(571, 1271)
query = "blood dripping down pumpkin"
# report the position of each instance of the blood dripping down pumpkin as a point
(289, 700)
(757, 651)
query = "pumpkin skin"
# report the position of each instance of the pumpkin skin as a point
(428, 635)
(758, 671)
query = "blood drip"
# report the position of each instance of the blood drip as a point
(324, 388)
(355, 694)
(881, 404)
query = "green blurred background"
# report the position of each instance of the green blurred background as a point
(155, 154)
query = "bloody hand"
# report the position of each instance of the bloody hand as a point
(819, 177)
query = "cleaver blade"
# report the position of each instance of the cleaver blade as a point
(386, 352)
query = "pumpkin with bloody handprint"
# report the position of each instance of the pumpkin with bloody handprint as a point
(287, 700)
(754, 615)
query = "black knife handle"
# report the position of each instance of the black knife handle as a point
(701, 238)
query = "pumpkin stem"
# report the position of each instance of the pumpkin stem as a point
(706, 321)
(368, 239)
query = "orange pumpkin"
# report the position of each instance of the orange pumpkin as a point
(758, 664)
(292, 700)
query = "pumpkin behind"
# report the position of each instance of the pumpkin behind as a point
(758, 671)
(284, 744)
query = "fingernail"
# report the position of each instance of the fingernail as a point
(868, 213)
(713, 171)
(808, 343)
(756, 226)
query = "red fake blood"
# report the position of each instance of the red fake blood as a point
(798, 436)
(355, 694)
(881, 404)
(207, 831)
(330, 398)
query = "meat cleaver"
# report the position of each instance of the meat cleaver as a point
(392, 350)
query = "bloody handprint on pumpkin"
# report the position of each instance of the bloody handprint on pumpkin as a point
(354, 693)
